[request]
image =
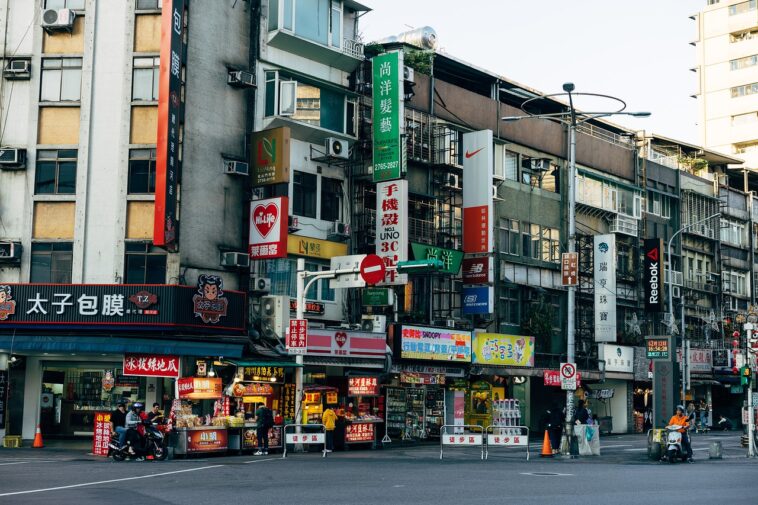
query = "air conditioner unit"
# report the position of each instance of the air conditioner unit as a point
(18, 69)
(374, 323)
(450, 323)
(408, 74)
(240, 79)
(676, 292)
(711, 277)
(537, 164)
(451, 181)
(12, 158)
(57, 19)
(10, 252)
(260, 284)
(495, 195)
(235, 260)
(275, 316)
(337, 148)
(339, 230)
(235, 167)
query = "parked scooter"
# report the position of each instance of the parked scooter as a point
(674, 448)
(155, 444)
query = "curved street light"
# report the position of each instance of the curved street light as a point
(572, 118)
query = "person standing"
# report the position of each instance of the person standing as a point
(264, 420)
(582, 414)
(329, 418)
(555, 427)
(155, 413)
(118, 423)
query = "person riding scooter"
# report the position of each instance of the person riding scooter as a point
(135, 428)
(680, 419)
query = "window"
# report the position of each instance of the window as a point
(733, 232)
(56, 172)
(746, 147)
(141, 171)
(61, 80)
(304, 194)
(735, 282)
(745, 119)
(535, 238)
(331, 199)
(65, 4)
(319, 21)
(551, 246)
(744, 90)
(747, 61)
(327, 293)
(509, 236)
(51, 262)
(145, 78)
(283, 272)
(144, 5)
(658, 204)
(510, 302)
(743, 36)
(742, 7)
(511, 166)
(310, 103)
(144, 264)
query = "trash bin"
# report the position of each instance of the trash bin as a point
(715, 451)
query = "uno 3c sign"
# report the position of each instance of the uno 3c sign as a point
(653, 275)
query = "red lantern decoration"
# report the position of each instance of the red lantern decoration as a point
(736, 334)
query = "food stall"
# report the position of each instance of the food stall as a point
(198, 431)
(248, 396)
(362, 414)
(314, 400)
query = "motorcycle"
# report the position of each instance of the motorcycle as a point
(674, 448)
(155, 444)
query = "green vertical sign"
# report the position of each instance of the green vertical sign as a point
(387, 115)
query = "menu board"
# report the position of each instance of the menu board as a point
(288, 403)
(250, 439)
(102, 434)
(359, 433)
(363, 386)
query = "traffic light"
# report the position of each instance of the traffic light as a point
(745, 374)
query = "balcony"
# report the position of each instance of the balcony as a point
(347, 58)
(625, 225)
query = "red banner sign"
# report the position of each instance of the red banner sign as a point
(476, 270)
(297, 338)
(102, 434)
(195, 388)
(151, 365)
(359, 432)
(363, 386)
(553, 378)
(206, 440)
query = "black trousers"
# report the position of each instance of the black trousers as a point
(330, 440)
(262, 435)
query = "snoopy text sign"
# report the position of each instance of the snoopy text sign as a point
(268, 228)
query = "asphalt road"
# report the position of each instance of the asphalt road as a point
(622, 475)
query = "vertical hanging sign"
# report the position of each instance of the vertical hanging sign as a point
(168, 157)
(605, 288)
(653, 274)
(392, 227)
(387, 116)
(477, 192)
(269, 228)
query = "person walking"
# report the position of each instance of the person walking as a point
(329, 418)
(264, 420)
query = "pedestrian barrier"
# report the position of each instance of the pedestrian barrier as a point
(309, 438)
(511, 436)
(461, 439)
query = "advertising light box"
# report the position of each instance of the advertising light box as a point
(435, 344)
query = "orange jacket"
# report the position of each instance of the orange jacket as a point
(680, 420)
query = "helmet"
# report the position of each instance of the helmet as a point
(138, 405)
(680, 407)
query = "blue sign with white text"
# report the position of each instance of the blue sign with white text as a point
(477, 299)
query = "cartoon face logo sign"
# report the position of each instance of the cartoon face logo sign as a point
(7, 303)
(603, 247)
(209, 303)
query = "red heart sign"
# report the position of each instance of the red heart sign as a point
(341, 338)
(265, 217)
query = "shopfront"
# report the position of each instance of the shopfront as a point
(81, 349)
(610, 399)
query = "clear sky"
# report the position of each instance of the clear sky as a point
(638, 51)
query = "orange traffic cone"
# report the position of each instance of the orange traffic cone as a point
(547, 450)
(38, 439)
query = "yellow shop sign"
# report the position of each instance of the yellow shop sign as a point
(314, 248)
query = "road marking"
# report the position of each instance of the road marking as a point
(262, 460)
(636, 450)
(546, 474)
(615, 446)
(15, 463)
(84, 484)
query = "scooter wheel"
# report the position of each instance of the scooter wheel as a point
(118, 456)
(671, 456)
(160, 452)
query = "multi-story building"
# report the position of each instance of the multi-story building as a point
(726, 43)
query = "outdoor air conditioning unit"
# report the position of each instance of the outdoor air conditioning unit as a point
(57, 19)
(337, 148)
(235, 260)
(374, 323)
(10, 252)
(450, 323)
(240, 79)
(20, 69)
(339, 230)
(452, 181)
(676, 291)
(12, 158)
(408, 74)
(495, 196)
(260, 285)
(275, 316)
(235, 167)
(537, 164)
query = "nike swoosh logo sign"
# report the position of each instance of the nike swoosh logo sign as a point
(468, 154)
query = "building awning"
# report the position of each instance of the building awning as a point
(344, 362)
(282, 364)
(116, 345)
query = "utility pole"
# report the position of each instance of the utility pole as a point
(751, 411)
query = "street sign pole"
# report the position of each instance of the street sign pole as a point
(751, 411)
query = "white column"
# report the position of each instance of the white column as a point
(32, 393)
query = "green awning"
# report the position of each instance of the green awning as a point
(283, 364)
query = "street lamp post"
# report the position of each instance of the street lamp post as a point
(572, 118)
(672, 327)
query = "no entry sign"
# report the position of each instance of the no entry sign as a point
(372, 269)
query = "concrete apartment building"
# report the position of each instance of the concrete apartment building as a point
(726, 47)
